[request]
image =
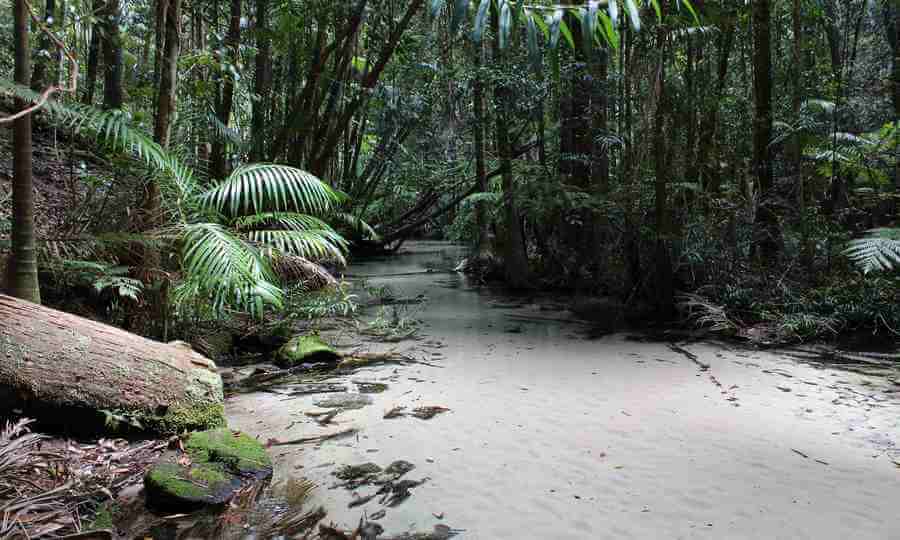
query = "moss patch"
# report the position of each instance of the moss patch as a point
(239, 452)
(103, 518)
(308, 348)
(183, 418)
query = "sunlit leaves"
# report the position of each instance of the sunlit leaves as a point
(879, 251)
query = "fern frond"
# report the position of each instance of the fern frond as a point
(879, 251)
(323, 244)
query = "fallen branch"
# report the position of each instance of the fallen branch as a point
(315, 439)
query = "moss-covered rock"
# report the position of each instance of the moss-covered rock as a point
(216, 464)
(240, 453)
(306, 349)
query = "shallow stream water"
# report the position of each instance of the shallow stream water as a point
(552, 435)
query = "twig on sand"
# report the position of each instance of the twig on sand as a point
(316, 439)
(427, 413)
(395, 412)
(799, 453)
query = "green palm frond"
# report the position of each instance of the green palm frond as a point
(880, 250)
(229, 271)
(270, 188)
(356, 224)
(283, 220)
(321, 244)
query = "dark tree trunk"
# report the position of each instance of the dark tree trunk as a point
(481, 210)
(43, 67)
(515, 258)
(226, 100)
(665, 286)
(762, 127)
(23, 278)
(262, 82)
(112, 55)
(93, 64)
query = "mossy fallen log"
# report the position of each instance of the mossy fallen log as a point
(63, 364)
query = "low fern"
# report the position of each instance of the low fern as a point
(879, 251)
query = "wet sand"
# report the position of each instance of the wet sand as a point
(551, 435)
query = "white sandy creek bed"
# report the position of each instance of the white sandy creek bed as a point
(553, 436)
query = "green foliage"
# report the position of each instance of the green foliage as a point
(878, 251)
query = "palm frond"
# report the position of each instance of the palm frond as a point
(270, 188)
(878, 251)
(226, 270)
(320, 244)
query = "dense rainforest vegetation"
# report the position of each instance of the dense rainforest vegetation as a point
(720, 161)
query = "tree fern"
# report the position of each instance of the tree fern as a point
(880, 250)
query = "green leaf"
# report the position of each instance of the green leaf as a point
(481, 20)
(613, 9)
(555, 24)
(633, 14)
(534, 53)
(266, 187)
(690, 8)
(564, 29)
(505, 23)
(609, 31)
(588, 18)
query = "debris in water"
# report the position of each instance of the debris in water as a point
(352, 472)
(429, 412)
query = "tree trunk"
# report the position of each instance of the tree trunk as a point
(93, 63)
(665, 286)
(706, 150)
(226, 101)
(62, 362)
(762, 126)
(39, 78)
(892, 24)
(806, 254)
(165, 110)
(515, 258)
(23, 278)
(112, 55)
(481, 210)
(262, 81)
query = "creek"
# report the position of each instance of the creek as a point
(554, 434)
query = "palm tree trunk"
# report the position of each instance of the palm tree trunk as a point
(226, 102)
(23, 278)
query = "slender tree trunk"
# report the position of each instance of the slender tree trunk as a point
(112, 55)
(665, 286)
(806, 254)
(481, 210)
(90, 82)
(226, 102)
(23, 278)
(515, 258)
(762, 126)
(892, 24)
(706, 151)
(161, 8)
(40, 77)
(262, 81)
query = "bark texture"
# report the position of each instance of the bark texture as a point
(59, 360)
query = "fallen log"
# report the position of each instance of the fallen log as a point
(62, 364)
